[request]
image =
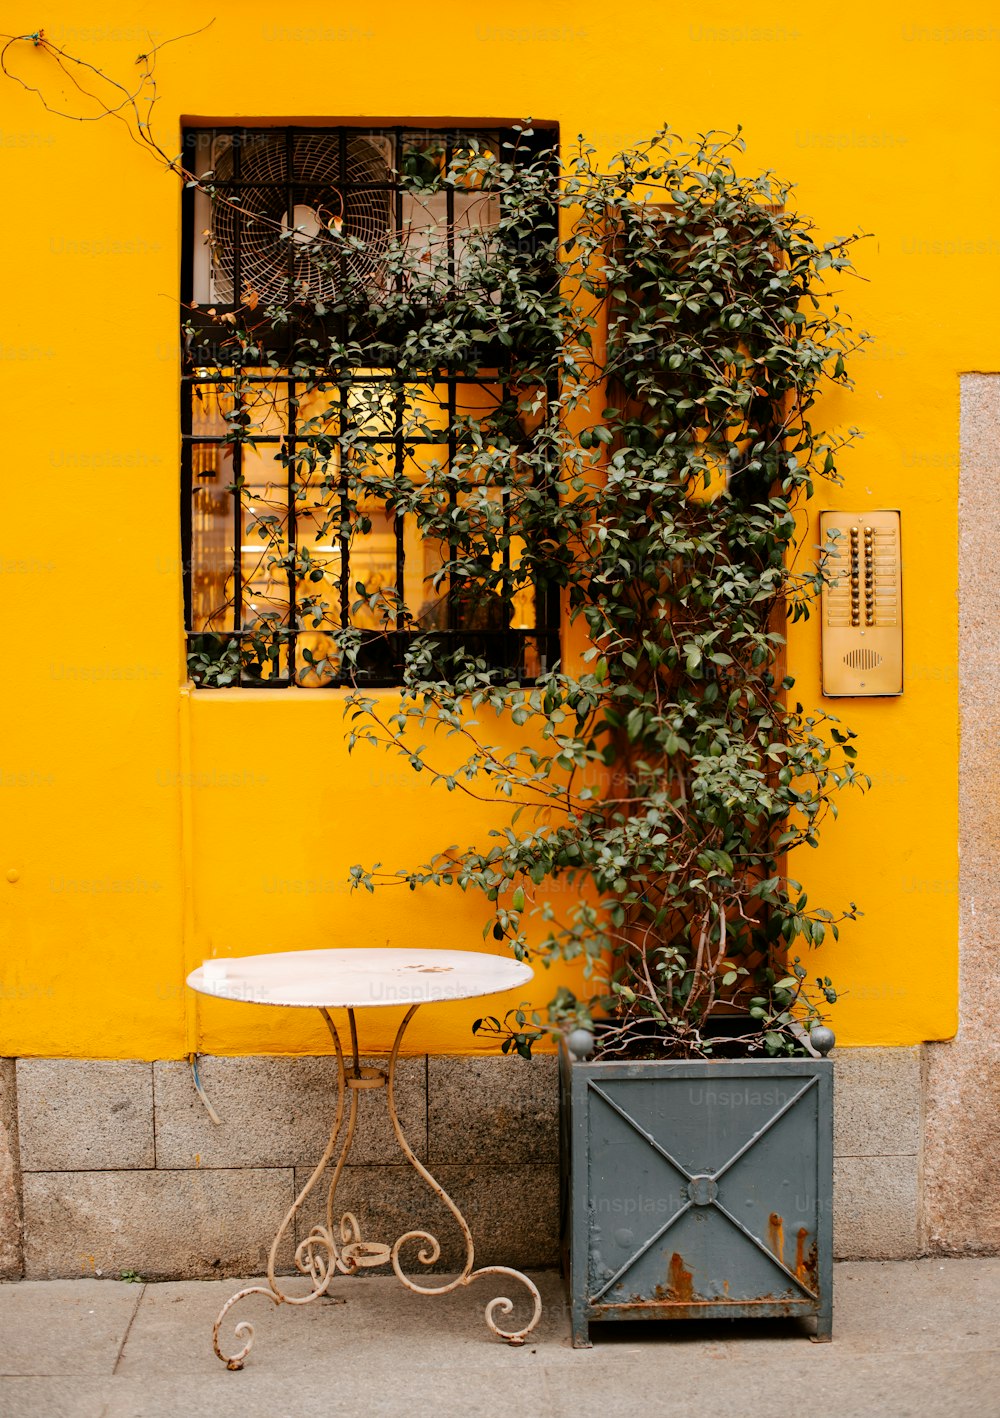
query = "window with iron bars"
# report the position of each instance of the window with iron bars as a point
(288, 543)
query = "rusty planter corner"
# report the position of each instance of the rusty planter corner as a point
(697, 1190)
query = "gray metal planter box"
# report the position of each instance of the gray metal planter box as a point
(697, 1190)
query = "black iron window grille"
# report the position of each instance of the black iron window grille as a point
(290, 545)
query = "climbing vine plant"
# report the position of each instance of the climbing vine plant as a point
(683, 334)
(655, 333)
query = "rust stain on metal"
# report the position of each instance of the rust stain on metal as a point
(806, 1262)
(680, 1289)
(776, 1235)
(779, 1305)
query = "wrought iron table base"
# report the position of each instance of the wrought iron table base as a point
(338, 1247)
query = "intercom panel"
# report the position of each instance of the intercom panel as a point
(862, 604)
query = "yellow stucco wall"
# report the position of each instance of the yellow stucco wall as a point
(146, 827)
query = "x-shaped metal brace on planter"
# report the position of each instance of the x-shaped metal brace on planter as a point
(702, 1189)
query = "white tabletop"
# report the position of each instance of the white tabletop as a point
(358, 979)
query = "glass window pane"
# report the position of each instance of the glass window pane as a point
(524, 609)
(423, 158)
(265, 404)
(424, 410)
(425, 588)
(265, 652)
(211, 401)
(426, 462)
(373, 571)
(370, 408)
(317, 660)
(317, 411)
(212, 524)
(319, 549)
(264, 541)
(265, 592)
(424, 232)
(476, 214)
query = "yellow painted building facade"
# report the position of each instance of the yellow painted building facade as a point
(149, 825)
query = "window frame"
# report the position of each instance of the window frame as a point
(516, 654)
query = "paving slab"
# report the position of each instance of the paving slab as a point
(172, 1333)
(917, 1305)
(914, 1339)
(53, 1397)
(382, 1392)
(61, 1327)
(639, 1384)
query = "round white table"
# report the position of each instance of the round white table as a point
(351, 980)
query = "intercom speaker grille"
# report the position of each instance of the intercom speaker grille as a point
(256, 215)
(862, 659)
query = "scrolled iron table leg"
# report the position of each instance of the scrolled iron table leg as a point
(319, 1256)
(431, 1249)
(334, 1247)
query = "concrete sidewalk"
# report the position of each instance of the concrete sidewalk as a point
(918, 1338)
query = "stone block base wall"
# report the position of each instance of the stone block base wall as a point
(117, 1166)
(11, 1247)
(962, 1213)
